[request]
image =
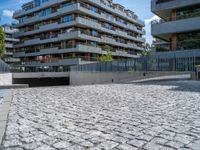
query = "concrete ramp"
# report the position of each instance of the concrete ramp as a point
(164, 78)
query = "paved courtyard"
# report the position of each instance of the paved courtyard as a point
(151, 115)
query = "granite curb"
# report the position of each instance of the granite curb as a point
(4, 110)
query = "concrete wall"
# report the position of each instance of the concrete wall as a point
(5, 78)
(87, 78)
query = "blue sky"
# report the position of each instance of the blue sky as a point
(140, 7)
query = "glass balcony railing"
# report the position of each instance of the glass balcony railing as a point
(181, 45)
(179, 17)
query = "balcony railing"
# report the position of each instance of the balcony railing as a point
(163, 1)
(181, 45)
(180, 17)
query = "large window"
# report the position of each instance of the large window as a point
(188, 12)
(188, 41)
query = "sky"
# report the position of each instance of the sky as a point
(140, 7)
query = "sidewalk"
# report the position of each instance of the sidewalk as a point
(4, 110)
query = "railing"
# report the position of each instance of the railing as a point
(4, 67)
(158, 62)
(163, 1)
(181, 45)
(180, 17)
(84, 32)
(152, 63)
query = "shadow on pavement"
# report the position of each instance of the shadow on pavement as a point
(179, 85)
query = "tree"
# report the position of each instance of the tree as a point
(2, 42)
(108, 56)
(147, 51)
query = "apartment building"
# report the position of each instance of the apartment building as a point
(9, 42)
(55, 34)
(177, 33)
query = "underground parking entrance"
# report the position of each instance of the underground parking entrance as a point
(37, 82)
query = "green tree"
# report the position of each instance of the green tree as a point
(147, 51)
(2, 42)
(108, 56)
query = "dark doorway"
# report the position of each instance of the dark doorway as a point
(37, 82)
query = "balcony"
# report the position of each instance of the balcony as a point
(47, 27)
(49, 39)
(9, 45)
(44, 5)
(11, 39)
(163, 7)
(40, 52)
(132, 18)
(51, 62)
(164, 29)
(83, 22)
(186, 45)
(59, 12)
(107, 18)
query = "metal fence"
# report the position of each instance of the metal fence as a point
(141, 64)
(4, 67)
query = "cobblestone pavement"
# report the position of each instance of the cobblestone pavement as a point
(150, 116)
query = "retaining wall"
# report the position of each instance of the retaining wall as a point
(87, 78)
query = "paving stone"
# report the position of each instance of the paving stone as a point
(62, 145)
(44, 147)
(136, 143)
(126, 147)
(107, 145)
(195, 145)
(158, 115)
(174, 144)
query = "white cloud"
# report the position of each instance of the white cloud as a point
(8, 13)
(148, 21)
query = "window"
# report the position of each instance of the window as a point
(47, 11)
(107, 26)
(67, 4)
(94, 33)
(67, 18)
(190, 12)
(22, 19)
(39, 14)
(93, 19)
(37, 3)
(44, 1)
(94, 9)
(93, 44)
(189, 40)
(121, 20)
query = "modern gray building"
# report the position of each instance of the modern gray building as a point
(177, 33)
(55, 34)
(9, 44)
